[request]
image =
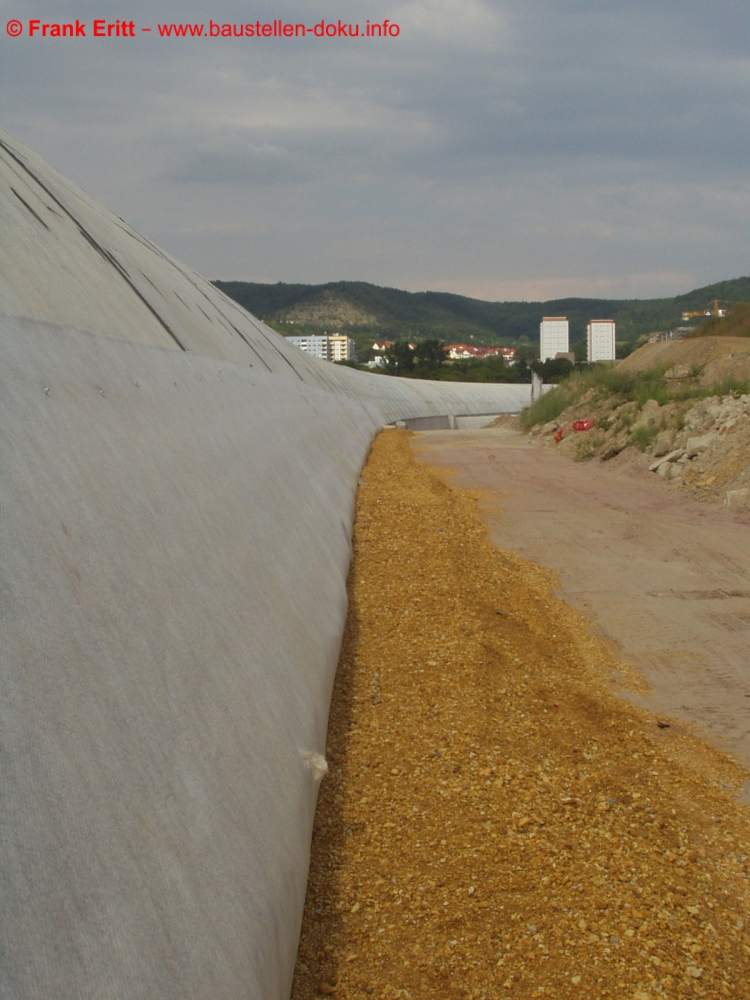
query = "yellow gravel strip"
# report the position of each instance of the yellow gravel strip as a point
(496, 822)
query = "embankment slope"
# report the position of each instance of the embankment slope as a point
(718, 357)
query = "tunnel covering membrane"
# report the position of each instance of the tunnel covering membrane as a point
(178, 488)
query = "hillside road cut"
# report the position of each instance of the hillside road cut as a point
(663, 577)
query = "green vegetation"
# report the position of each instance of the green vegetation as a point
(553, 369)
(731, 386)
(623, 387)
(735, 324)
(588, 446)
(642, 437)
(368, 312)
(428, 361)
(399, 359)
(488, 370)
(551, 404)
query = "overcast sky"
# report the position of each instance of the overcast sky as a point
(524, 149)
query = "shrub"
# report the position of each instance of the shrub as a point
(550, 405)
(642, 437)
(625, 420)
(606, 383)
(735, 324)
(731, 386)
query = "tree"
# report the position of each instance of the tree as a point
(430, 355)
(399, 358)
(522, 368)
(553, 369)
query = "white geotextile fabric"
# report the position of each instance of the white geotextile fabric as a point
(67, 259)
(177, 489)
(176, 536)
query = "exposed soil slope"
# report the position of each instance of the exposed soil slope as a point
(735, 323)
(700, 446)
(703, 448)
(719, 357)
(496, 822)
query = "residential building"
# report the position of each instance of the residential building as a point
(317, 346)
(600, 334)
(341, 347)
(459, 352)
(378, 358)
(329, 347)
(554, 337)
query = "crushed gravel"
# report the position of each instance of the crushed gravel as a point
(496, 822)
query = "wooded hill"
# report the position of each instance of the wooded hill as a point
(366, 311)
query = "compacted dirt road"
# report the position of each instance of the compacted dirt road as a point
(496, 821)
(666, 578)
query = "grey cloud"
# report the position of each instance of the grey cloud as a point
(236, 159)
(541, 140)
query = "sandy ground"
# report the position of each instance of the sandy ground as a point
(667, 579)
(496, 821)
(717, 356)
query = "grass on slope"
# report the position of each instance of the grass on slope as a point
(735, 324)
(636, 387)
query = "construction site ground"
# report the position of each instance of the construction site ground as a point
(663, 577)
(695, 436)
(715, 357)
(498, 821)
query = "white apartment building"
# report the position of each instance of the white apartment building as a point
(333, 347)
(317, 346)
(600, 334)
(341, 347)
(554, 337)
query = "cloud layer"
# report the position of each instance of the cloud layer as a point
(515, 149)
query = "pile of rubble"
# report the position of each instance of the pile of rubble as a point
(698, 446)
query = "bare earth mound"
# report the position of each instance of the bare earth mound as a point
(718, 356)
(698, 443)
(496, 822)
(702, 448)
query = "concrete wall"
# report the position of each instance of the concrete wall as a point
(178, 489)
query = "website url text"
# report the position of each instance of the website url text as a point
(101, 28)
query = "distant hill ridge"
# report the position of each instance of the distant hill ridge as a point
(327, 308)
(362, 308)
